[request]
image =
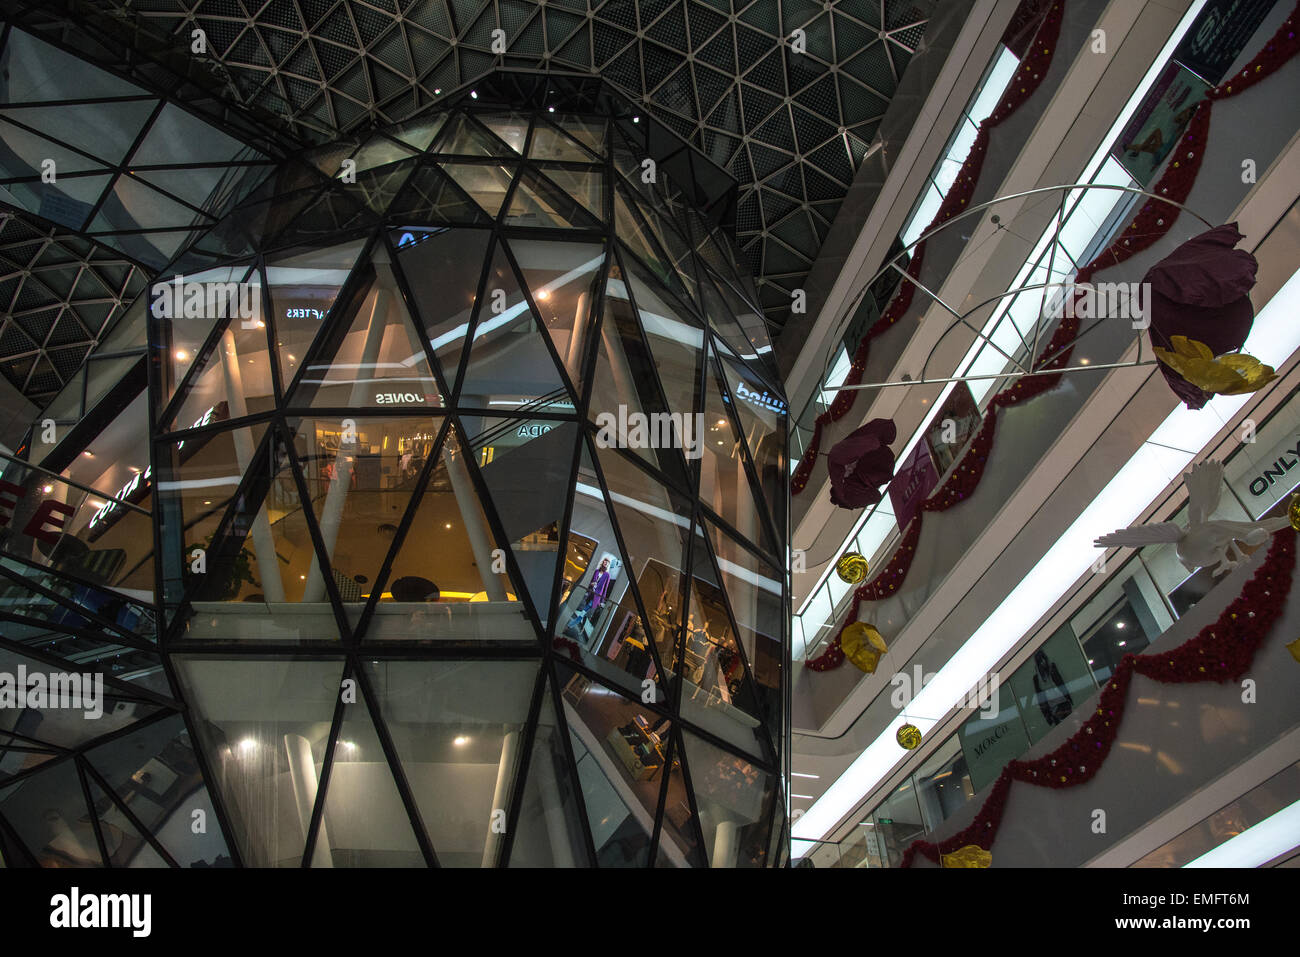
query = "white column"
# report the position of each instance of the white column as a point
(268, 566)
(501, 797)
(302, 775)
(462, 488)
(557, 828)
(724, 844)
(336, 499)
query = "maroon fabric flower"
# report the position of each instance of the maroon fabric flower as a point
(860, 463)
(1201, 291)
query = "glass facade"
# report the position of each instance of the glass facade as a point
(468, 498)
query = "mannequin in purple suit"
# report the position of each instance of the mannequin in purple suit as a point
(599, 587)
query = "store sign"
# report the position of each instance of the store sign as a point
(130, 492)
(403, 398)
(1267, 477)
(988, 744)
(50, 512)
(1222, 31)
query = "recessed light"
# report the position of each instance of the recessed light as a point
(88, 454)
(473, 94)
(47, 489)
(460, 740)
(182, 355)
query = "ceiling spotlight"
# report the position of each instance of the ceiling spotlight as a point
(636, 119)
(437, 90)
(473, 94)
(448, 525)
(88, 454)
(460, 740)
(543, 295)
(1083, 362)
(550, 109)
(47, 489)
(182, 355)
(248, 746)
(1121, 644)
(1119, 625)
(207, 503)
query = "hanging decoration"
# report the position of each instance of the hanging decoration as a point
(851, 567)
(861, 463)
(1294, 648)
(1153, 220)
(1205, 541)
(1033, 67)
(863, 645)
(1221, 652)
(1200, 315)
(1293, 511)
(972, 855)
(909, 736)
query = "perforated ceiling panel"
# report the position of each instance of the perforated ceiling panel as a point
(790, 126)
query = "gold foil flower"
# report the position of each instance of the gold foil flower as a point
(1230, 374)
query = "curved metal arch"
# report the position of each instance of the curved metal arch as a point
(891, 263)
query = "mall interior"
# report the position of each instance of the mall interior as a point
(900, 400)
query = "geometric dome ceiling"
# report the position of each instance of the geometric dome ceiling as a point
(790, 128)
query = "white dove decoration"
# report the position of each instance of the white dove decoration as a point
(1205, 541)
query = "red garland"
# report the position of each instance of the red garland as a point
(1220, 652)
(1153, 220)
(1029, 77)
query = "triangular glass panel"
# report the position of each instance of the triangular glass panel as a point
(122, 840)
(360, 473)
(510, 128)
(561, 279)
(133, 205)
(620, 749)
(485, 183)
(18, 755)
(675, 336)
(754, 591)
(419, 133)
(725, 485)
(304, 285)
(360, 778)
(526, 465)
(549, 143)
(441, 269)
(201, 479)
(236, 373)
(371, 355)
(106, 130)
(718, 696)
(194, 186)
(431, 198)
(266, 555)
(764, 418)
(176, 835)
(380, 151)
(52, 725)
(449, 557)
(735, 798)
(537, 201)
(587, 131)
(377, 188)
(671, 243)
(155, 771)
(599, 619)
(679, 839)
(625, 403)
(265, 725)
(184, 328)
(337, 209)
(464, 137)
(458, 730)
(654, 523)
(587, 186)
(510, 363)
(636, 236)
(48, 813)
(549, 832)
(754, 328)
(27, 151)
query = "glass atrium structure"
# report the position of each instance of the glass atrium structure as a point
(463, 535)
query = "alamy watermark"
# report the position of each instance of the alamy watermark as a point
(183, 298)
(1104, 300)
(658, 430)
(57, 689)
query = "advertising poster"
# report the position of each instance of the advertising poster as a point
(914, 480)
(1224, 29)
(961, 410)
(1156, 126)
